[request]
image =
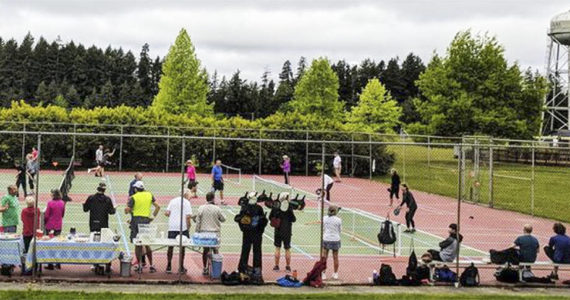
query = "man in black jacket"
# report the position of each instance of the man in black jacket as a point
(99, 207)
(252, 222)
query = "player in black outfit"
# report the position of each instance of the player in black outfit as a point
(394, 186)
(408, 199)
(252, 222)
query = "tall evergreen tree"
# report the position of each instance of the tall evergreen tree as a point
(285, 89)
(144, 73)
(183, 86)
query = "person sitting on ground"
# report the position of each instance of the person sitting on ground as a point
(332, 226)
(175, 227)
(283, 231)
(527, 244)
(558, 248)
(28, 221)
(209, 219)
(448, 247)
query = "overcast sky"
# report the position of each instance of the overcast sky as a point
(254, 36)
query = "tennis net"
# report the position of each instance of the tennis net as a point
(357, 225)
(66, 182)
(232, 174)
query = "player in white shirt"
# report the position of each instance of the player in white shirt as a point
(337, 165)
(173, 214)
(328, 186)
(98, 161)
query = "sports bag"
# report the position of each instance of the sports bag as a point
(387, 235)
(510, 256)
(230, 279)
(289, 281)
(507, 274)
(386, 276)
(275, 222)
(445, 275)
(470, 276)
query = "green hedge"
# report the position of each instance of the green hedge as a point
(150, 153)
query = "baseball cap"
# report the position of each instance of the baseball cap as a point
(453, 226)
(139, 185)
(102, 186)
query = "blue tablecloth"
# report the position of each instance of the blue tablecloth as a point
(11, 251)
(73, 253)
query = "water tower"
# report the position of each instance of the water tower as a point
(556, 117)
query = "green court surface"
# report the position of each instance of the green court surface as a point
(359, 235)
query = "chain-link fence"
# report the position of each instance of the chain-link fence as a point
(503, 186)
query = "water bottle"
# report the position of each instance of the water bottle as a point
(374, 275)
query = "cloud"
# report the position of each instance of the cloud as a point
(256, 35)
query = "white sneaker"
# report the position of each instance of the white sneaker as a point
(88, 171)
(324, 276)
(335, 276)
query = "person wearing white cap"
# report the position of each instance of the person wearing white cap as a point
(282, 219)
(139, 206)
(252, 222)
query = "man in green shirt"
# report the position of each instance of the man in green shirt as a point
(10, 209)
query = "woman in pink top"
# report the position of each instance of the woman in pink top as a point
(191, 177)
(53, 217)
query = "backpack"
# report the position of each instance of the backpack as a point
(422, 272)
(275, 222)
(314, 277)
(510, 256)
(289, 281)
(412, 265)
(445, 275)
(470, 276)
(386, 276)
(230, 279)
(507, 274)
(387, 235)
(7, 270)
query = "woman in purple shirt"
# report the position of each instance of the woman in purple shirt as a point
(53, 217)
(286, 166)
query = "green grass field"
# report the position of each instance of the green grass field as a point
(440, 176)
(359, 227)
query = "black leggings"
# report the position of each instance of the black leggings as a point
(286, 174)
(22, 182)
(328, 191)
(250, 240)
(394, 191)
(410, 217)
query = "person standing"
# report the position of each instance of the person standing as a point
(286, 166)
(53, 217)
(173, 212)
(139, 206)
(209, 219)
(527, 244)
(27, 217)
(99, 206)
(138, 177)
(283, 230)
(21, 178)
(218, 180)
(337, 165)
(10, 209)
(394, 186)
(31, 170)
(106, 161)
(332, 226)
(191, 177)
(408, 199)
(252, 222)
(35, 153)
(558, 248)
(98, 161)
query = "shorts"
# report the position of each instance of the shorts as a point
(100, 163)
(192, 183)
(135, 221)
(218, 185)
(282, 239)
(334, 246)
(174, 234)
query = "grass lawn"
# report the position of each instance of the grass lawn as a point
(46, 295)
(441, 177)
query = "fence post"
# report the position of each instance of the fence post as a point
(532, 183)
(121, 149)
(259, 153)
(459, 192)
(307, 153)
(182, 216)
(24, 144)
(462, 166)
(74, 141)
(36, 196)
(352, 153)
(429, 152)
(370, 155)
(491, 191)
(167, 148)
(322, 204)
(214, 147)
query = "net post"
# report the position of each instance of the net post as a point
(182, 216)
(121, 149)
(399, 239)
